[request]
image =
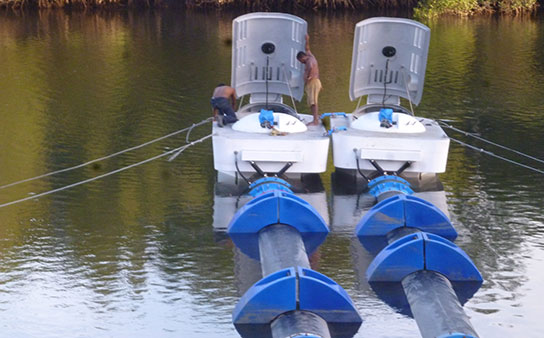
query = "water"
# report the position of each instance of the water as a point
(134, 254)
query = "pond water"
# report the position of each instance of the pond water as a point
(135, 254)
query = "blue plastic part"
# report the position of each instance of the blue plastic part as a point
(333, 130)
(386, 114)
(333, 114)
(269, 179)
(380, 179)
(447, 258)
(388, 183)
(404, 211)
(268, 298)
(398, 260)
(266, 116)
(278, 293)
(323, 296)
(273, 208)
(422, 251)
(456, 335)
(267, 184)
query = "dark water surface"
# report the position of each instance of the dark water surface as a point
(135, 255)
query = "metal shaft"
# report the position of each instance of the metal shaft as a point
(281, 246)
(398, 233)
(432, 300)
(299, 323)
(435, 305)
(388, 194)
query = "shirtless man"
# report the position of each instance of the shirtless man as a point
(311, 79)
(223, 110)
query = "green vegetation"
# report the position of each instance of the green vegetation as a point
(239, 4)
(423, 9)
(433, 8)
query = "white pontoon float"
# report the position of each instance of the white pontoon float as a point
(388, 63)
(265, 67)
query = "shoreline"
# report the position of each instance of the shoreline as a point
(420, 10)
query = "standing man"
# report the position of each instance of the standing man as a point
(223, 110)
(312, 84)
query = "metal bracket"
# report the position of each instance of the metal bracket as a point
(284, 169)
(403, 167)
(377, 166)
(257, 169)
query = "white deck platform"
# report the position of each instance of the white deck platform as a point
(307, 150)
(427, 150)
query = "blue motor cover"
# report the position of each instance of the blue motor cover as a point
(266, 118)
(276, 207)
(386, 117)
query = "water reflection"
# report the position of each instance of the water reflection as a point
(135, 254)
(231, 193)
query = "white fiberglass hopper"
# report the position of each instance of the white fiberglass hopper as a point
(268, 39)
(265, 67)
(388, 63)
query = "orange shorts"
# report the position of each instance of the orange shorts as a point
(312, 91)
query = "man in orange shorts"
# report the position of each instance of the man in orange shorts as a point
(311, 79)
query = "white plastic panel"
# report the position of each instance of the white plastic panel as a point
(405, 73)
(249, 63)
(428, 150)
(390, 154)
(272, 156)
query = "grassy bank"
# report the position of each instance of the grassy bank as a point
(422, 8)
(433, 8)
(265, 5)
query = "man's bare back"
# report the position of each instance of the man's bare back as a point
(224, 104)
(225, 91)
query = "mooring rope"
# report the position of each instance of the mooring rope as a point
(178, 150)
(111, 155)
(190, 129)
(487, 152)
(466, 133)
